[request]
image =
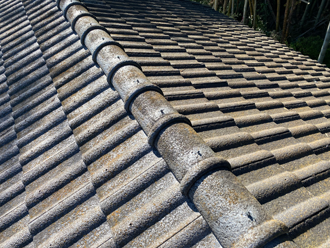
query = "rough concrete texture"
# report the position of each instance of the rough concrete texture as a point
(120, 123)
(180, 147)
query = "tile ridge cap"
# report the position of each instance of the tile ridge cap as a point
(191, 160)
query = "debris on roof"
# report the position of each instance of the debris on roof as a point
(157, 124)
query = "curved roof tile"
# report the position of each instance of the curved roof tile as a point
(95, 153)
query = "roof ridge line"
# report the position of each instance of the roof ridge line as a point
(236, 218)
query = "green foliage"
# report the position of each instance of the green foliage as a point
(311, 46)
(204, 2)
(261, 25)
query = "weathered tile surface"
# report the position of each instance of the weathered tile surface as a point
(76, 168)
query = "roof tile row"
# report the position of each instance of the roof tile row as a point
(76, 168)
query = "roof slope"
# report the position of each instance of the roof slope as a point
(66, 118)
(258, 104)
(76, 167)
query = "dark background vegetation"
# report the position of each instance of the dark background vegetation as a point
(305, 24)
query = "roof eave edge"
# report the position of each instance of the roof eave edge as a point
(236, 218)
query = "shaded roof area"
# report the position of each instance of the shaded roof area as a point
(76, 168)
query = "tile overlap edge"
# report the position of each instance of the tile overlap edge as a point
(235, 216)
